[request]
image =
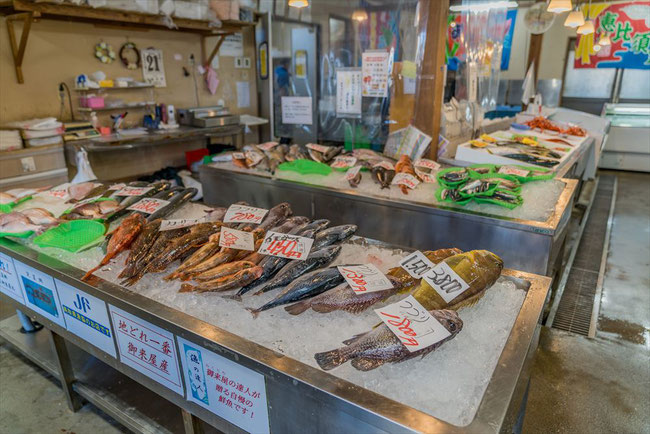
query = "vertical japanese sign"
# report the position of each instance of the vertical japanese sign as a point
(147, 348)
(153, 69)
(9, 279)
(227, 389)
(40, 292)
(375, 66)
(86, 316)
(628, 27)
(348, 92)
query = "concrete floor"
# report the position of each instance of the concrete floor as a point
(578, 385)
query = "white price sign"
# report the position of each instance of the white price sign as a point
(238, 156)
(40, 292)
(385, 164)
(318, 148)
(168, 225)
(9, 279)
(148, 205)
(406, 179)
(87, 317)
(286, 246)
(254, 157)
(234, 239)
(415, 327)
(507, 170)
(297, 110)
(364, 278)
(153, 69)
(132, 191)
(267, 146)
(244, 214)
(425, 162)
(343, 162)
(352, 172)
(225, 388)
(416, 264)
(445, 281)
(147, 348)
(58, 192)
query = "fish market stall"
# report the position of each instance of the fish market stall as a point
(529, 237)
(269, 361)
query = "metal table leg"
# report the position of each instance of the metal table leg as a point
(66, 373)
(191, 423)
(28, 326)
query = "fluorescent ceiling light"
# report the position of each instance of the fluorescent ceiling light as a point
(483, 6)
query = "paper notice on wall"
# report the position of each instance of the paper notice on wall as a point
(153, 69)
(409, 86)
(348, 92)
(375, 69)
(297, 110)
(243, 94)
(233, 45)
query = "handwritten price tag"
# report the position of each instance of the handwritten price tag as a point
(61, 193)
(254, 157)
(238, 156)
(415, 327)
(148, 205)
(267, 146)
(244, 214)
(416, 264)
(286, 246)
(318, 148)
(364, 278)
(385, 164)
(132, 191)
(119, 186)
(234, 239)
(406, 179)
(343, 162)
(513, 171)
(168, 225)
(425, 162)
(445, 281)
(352, 172)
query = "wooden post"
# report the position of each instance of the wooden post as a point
(18, 51)
(432, 74)
(534, 52)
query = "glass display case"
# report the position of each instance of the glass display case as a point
(627, 147)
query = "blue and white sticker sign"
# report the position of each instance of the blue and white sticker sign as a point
(86, 316)
(227, 389)
(147, 348)
(9, 279)
(40, 292)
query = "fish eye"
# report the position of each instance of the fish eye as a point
(452, 326)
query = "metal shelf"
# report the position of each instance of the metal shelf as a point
(120, 107)
(88, 89)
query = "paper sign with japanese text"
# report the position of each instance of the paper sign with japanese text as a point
(508, 170)
(416, 264)
(364, 278)
(9, 279)
(375, 67)
(343, 162)
(58, 192)
(267, 146)
(348, 92)
(385, 164)
(227, 389)
(297, 110)
(40, 292)
(445, 281)
(86, 316)
(425, 168)
(234, 239)
(168, 225)
(406, 179)
(352, 172)
(254, 157)
(238, 156)
(148, 205)
(318, 148)
(415, 327)
(132, 191)
(147, 348)
(286, 246)
(244, 214)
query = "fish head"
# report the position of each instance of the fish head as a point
(487, 260)
(449, 320)
(256, 271)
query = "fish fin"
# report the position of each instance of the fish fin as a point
(298, 308)
(366, 364)
(331, 359)
(232, 297)
(255, 312)
(323, 308)
(186, 287)
(468, 302)
(354, 338)
(91, 272)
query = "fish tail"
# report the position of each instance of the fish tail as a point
(354, 338)
(186, 287)
(90, 272)
(323, 308)
(298, 308)
(331, 359)
(255, 312)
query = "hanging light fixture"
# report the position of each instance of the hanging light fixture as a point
(604, 40)
(575, 18)
(359, 15)
(298, 3)
(588, 27)
(559, 6)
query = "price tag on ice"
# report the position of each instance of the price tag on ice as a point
(415, 327)
(168, 225)
(352, 172)
(286, 246)
(234, 239)
(425, 162)
(318, 148)
(406, 179)
(61, 193)
(343, 162)
(148, 205)
(416, 264)
(244, 214)
(132, 191)
(364, 278)
(254, 157)
(385, 164)
(267, 146)
(445, 281)
(507, 170)
(238, 156)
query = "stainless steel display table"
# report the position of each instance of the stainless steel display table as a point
(299, 397)
(526, 245)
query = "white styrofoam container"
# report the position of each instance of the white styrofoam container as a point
(196, 10)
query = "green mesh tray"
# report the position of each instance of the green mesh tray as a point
(8, 207)
(25, 234)
(306, 167)
(72, 235)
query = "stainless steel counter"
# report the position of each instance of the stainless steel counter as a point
(301, 397)
(525, 245)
